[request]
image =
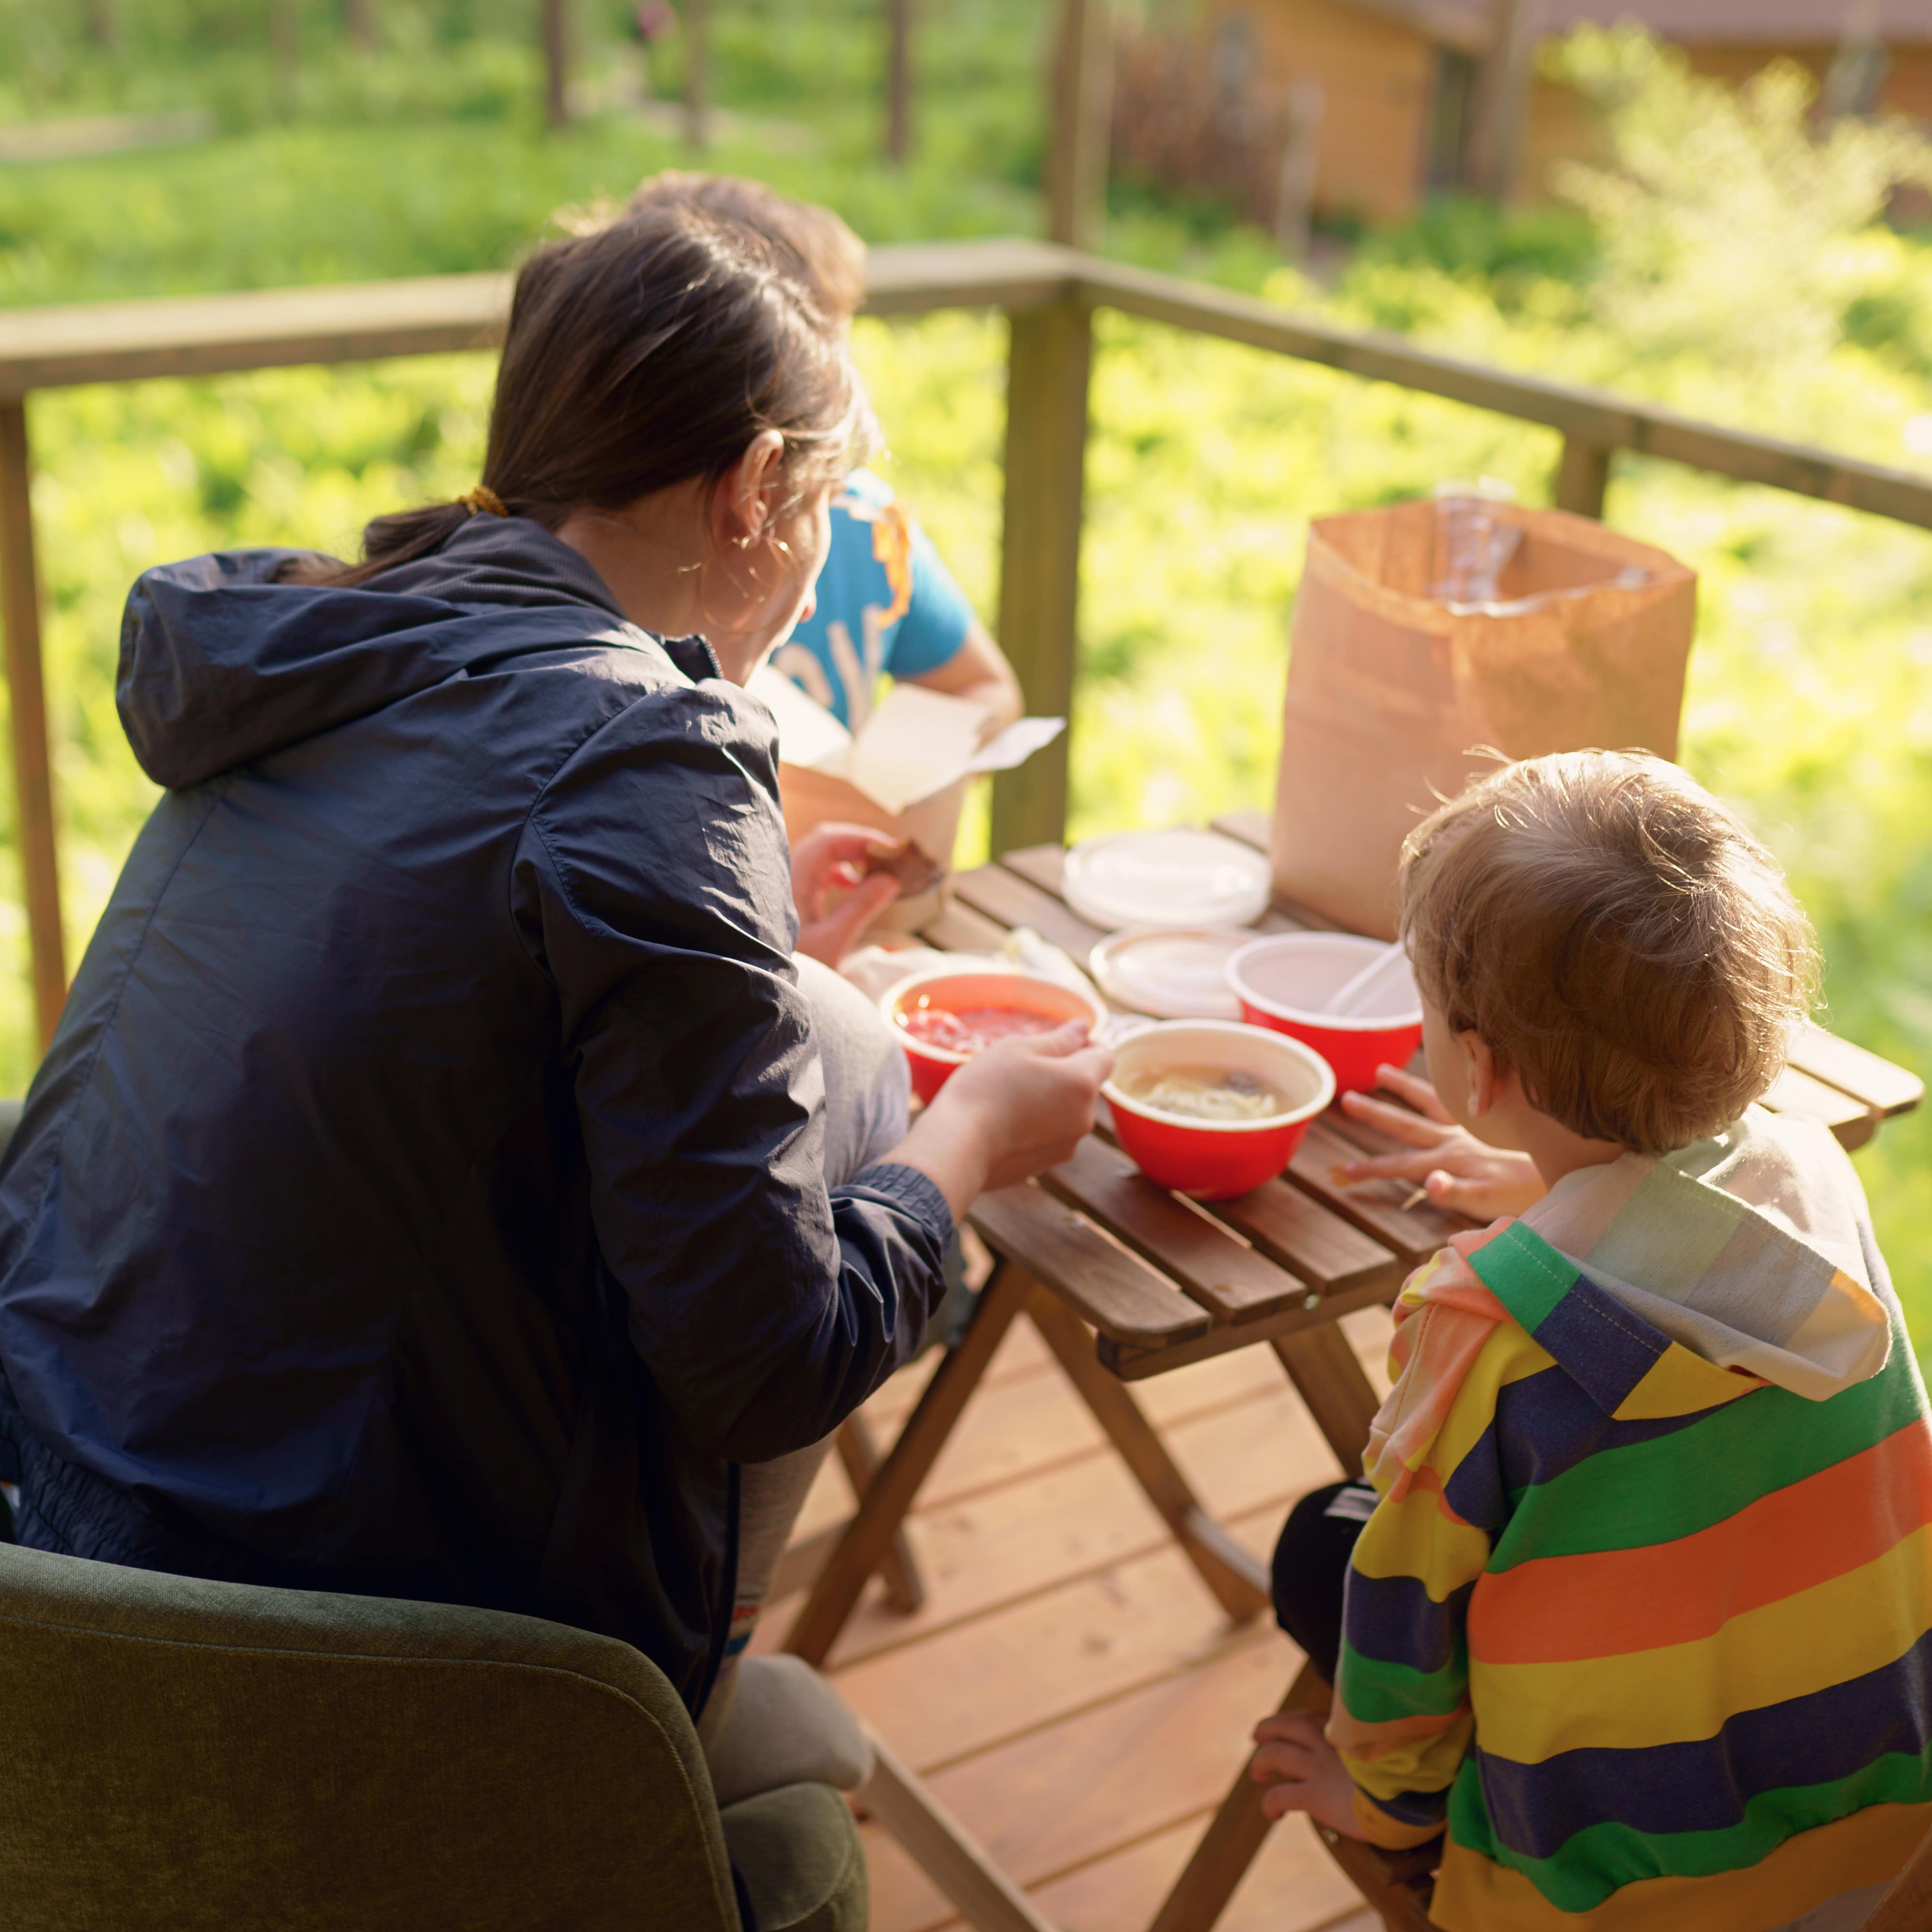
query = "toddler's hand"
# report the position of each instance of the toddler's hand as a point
(1460, 1172)
(1304, 1772)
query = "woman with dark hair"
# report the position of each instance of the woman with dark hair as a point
(444, 1180)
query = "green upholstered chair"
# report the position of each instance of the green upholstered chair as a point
(177, 1755)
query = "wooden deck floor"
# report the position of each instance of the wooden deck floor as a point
(1071, 1691)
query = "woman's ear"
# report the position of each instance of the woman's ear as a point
(741, 506)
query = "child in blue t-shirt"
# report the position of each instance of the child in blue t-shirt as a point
(887, 605)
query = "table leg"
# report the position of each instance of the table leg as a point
(899, 1569)
(1388, 1881)
(1329, 1379)
(869, 1536)
(1237, 1577)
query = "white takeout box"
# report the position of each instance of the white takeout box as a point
(904, 771)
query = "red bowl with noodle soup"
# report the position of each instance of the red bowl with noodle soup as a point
(944, 1017)
(1212, 1108)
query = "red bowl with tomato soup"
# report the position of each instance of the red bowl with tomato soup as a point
(944, 1017)
(1210, 1159)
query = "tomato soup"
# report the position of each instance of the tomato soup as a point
(967, 1030)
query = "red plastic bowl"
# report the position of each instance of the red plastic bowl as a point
(955, 992)
(1215, 1160)
(1282, 982)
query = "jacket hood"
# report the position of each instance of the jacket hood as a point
(221, 665)
(1748, 1249)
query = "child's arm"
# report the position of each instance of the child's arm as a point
(1400, 1725)
(1401, 1722)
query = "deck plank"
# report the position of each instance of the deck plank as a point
(1057, 1799)
(984, 1682)
(1293, 1886)
(1028, 1425)
(997, 1548)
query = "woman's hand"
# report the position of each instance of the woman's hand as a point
(1304, 1772)
(830, 858)
(1460, 1172)
(1018, 1106)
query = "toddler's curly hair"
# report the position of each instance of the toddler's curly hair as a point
(1614, 933)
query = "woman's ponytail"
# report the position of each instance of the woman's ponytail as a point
(388, 542)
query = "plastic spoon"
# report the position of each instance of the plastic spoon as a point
(1376, 978)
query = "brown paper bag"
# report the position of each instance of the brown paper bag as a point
(1390, 690)
(812, 798)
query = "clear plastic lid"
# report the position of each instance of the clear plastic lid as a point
(1173, 878)
(1174, 972)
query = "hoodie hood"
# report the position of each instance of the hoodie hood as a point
(1747, 1248)
(1747, 1251)
(221, 665)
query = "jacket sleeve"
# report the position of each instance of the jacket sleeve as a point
(1401, 1719)
(652, 887)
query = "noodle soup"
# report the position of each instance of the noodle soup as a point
(1212, 1108)
(1205, 1093)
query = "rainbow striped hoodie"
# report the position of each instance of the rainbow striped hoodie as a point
(1644, 1613)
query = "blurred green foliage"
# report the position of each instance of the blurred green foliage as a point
(1730, 263)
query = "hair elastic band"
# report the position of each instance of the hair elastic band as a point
(484, 498)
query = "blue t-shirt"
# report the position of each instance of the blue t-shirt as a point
(885, 603)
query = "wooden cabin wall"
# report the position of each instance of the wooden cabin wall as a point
(1378, 77)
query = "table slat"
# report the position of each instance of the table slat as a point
(1251, 828)
(1116, 1291)
(1042, 865)
(1003, 896)
(1133, 1365)
(1793, 1092)
(1876, 1083)
(1376, 1206)
(1855, 1070)
(1331, 1254)
(1233, 1282)
(958, 928)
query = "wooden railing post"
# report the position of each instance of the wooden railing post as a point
(899, 81)
(553, 29)
(1582, 477)
(1047, 371)
(1080, 123)
(1502, 98)
(33, 781)
(696, 27)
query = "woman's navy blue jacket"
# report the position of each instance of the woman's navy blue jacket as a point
(422, 1195)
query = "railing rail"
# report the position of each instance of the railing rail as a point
(1050, 293)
